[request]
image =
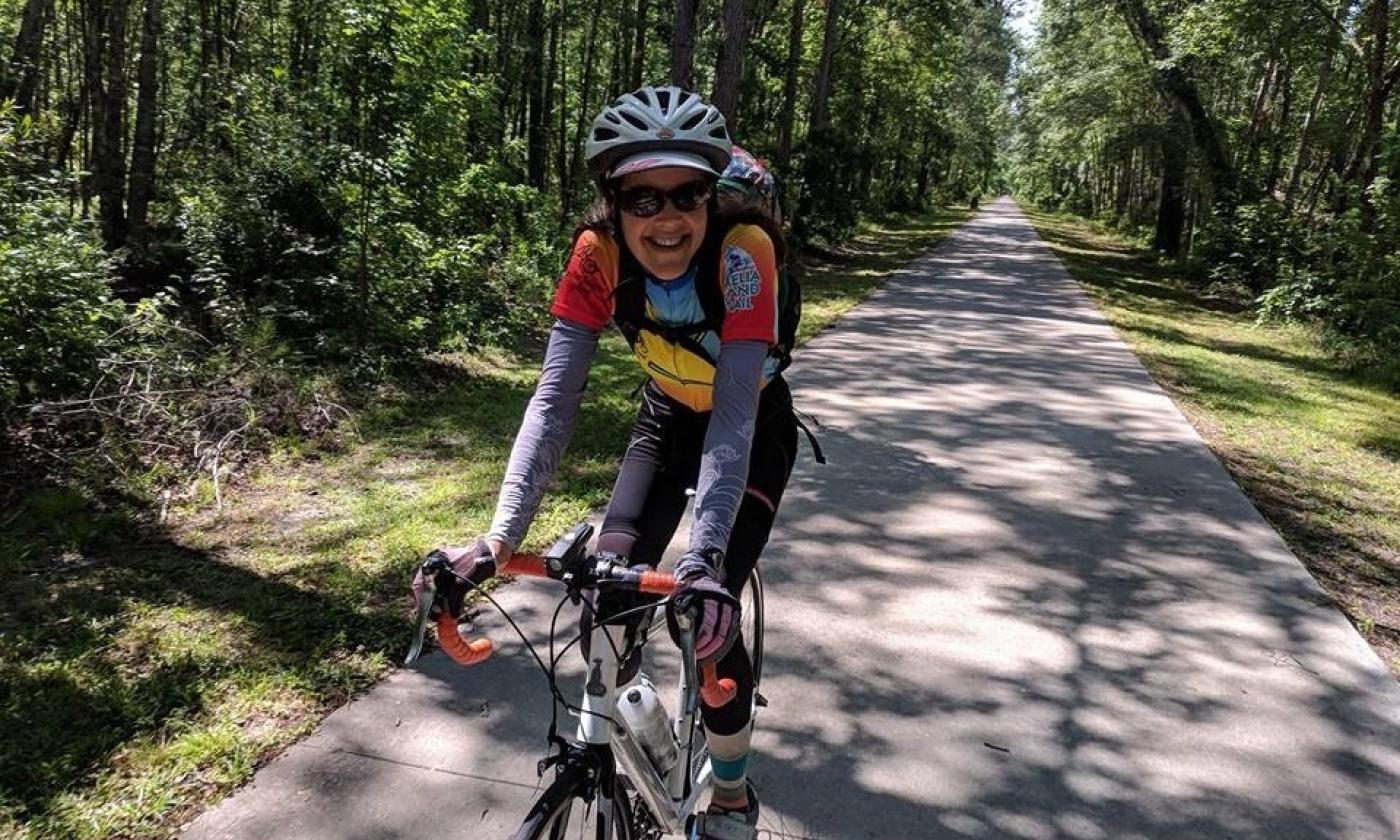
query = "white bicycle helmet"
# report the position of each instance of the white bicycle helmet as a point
(653, 127)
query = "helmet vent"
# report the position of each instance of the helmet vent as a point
(657, 118)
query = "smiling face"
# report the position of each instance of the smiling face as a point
(665, 243)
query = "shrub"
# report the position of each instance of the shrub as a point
(54, 302)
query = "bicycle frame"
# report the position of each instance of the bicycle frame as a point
(604, 746)
(668, 799)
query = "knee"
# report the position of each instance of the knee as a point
(733, 716)
(618, 541)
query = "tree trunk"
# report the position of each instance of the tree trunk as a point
(921, 186)
(1395, 148)
(821, 88)
(20, 78)
(1276, 133)
(1249, 153)
(506, 69)
(481, 22)
(561, 142)
(143, 149)
(1123, 189)
(537, 141)
(683, 44)
(1300, 154)
(199, 106)
(585, 89)
(815, 166)
(616, 70)
(1181, 93)
(729, 69)
(308, 25)
(106, 72)
(639, 46)
(1171, 200)
(794, 59)
(1361, 169)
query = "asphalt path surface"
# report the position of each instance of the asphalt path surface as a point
(1023, 600)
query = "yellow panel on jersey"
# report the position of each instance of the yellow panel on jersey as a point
(684, 376)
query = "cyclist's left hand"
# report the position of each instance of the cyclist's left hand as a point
(476, 563)
(716, 611)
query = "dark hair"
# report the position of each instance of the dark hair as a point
(600, 215)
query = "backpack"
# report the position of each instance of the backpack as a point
(748, 191)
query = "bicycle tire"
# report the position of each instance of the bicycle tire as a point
(752, 606)
(563, 812)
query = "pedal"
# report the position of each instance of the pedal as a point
(759, 700)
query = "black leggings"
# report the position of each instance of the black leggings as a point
(649, 498)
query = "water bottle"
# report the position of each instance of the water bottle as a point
(644, 717)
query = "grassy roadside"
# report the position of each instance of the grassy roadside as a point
(1316, 447)
(146, 670)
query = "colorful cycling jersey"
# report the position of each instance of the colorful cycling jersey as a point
(748, 280)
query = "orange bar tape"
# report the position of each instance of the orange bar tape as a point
(657, 583)
(528, 565)
(714, 691)
(463, 651)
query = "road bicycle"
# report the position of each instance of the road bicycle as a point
(632, 771)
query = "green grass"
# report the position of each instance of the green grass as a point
(1314, 444)
(146, 670)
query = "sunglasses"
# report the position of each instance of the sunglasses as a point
(644, 202)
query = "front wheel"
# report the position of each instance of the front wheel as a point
(751, 621)
(577, 807)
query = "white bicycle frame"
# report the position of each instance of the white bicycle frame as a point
(598, 724)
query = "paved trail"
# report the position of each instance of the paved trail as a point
(1022, 601)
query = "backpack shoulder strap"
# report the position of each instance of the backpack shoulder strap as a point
(707, 279)
(630, 296)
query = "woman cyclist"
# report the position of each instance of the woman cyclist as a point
(715, 414)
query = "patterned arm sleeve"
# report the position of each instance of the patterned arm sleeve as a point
(724, 461)
(545, 431)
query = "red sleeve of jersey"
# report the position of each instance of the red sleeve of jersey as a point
(749, 279)
(585, 294)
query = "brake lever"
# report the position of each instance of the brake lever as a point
(433, 564)
(691, 701)
(425, 606)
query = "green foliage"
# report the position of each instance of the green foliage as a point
(339, 189)
(1344, 279)
(54, 295)
(1299, 234)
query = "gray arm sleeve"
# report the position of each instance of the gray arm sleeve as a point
(724, 461)
(549, 420)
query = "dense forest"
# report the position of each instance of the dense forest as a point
(211, 209)
(1255, 141)
(208, 204)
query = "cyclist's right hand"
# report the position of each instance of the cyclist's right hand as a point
(476, 563)
(714, 609)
